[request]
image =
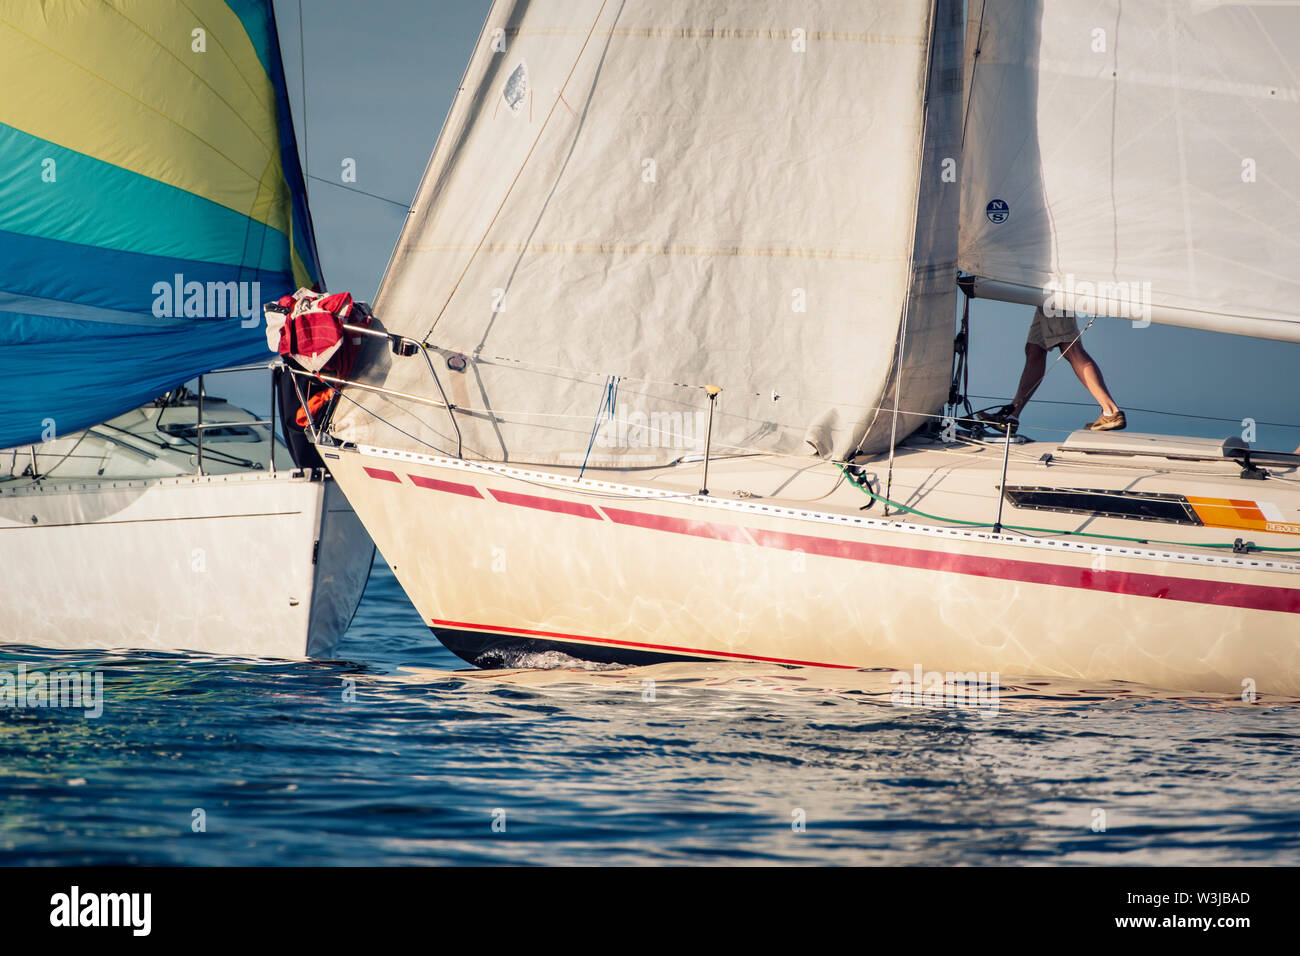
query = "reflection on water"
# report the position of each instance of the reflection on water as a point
(409, 758)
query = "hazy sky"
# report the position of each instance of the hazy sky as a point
(378, 88)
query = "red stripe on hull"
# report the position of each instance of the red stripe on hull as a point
(1191, 590)
(452, 487)
(381, 474)
(559, 635)
(545, 504)
(1253, 596)
(700, 529)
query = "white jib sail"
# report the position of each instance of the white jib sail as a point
(632, 200)
(1139, 159)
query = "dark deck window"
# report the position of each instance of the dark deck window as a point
(1105, 503)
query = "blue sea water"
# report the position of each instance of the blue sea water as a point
(432, 763)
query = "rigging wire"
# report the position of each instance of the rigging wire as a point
(354, 189)
(502, 414)
(489, 359)
(1148, 411)
(559, 97)
(302, 61)
(608, 403)
(48, 471)
(974, 65)
(843, 467)
(911, 276)
(572, 369)
(1049, 531)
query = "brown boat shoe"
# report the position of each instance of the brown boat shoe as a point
(1108, 423)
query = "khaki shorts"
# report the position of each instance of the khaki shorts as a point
(1048, 332)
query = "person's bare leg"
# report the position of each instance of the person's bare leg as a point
(1030, 378)
(1089, 373)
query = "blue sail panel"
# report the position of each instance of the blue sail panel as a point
(150, 201)
(90, 389)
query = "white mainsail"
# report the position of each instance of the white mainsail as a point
(632, 200)
(1137, 158)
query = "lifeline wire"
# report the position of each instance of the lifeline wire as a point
(1025, 528)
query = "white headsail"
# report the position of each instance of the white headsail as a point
(633, 199)
(1138, 158)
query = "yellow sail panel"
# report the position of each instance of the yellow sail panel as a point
(202, 117)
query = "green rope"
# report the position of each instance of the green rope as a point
(861, 486)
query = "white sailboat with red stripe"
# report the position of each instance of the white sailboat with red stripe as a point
(670, 350)
(793, 572)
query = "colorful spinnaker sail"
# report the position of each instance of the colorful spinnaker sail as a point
(150, 200)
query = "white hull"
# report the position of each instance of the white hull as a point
(221, 564)
(502, 562)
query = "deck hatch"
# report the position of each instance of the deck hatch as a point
(1105, 503)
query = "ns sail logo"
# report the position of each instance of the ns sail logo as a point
(998, 211)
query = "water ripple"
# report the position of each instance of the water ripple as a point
(396, 753)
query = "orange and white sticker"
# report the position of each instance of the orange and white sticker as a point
(1242, 514)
